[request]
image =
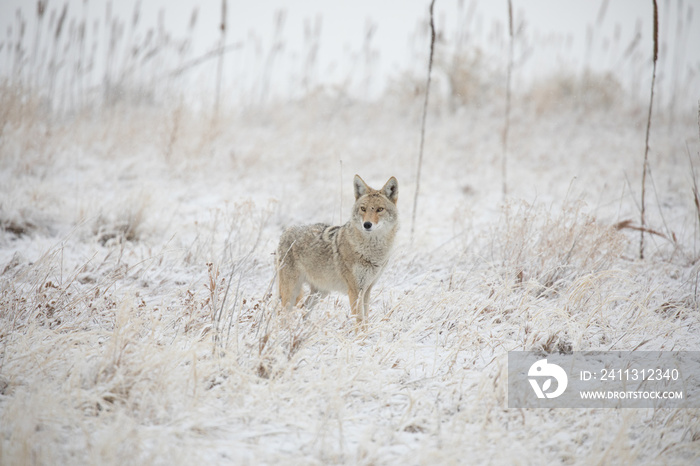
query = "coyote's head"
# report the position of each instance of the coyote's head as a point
(375, 209)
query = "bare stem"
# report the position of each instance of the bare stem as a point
(425, 114)
(506, 127)
(220, 64)
(646, 144)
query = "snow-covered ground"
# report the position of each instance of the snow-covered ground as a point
(138, 322)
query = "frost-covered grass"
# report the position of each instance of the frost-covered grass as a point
(138, 323)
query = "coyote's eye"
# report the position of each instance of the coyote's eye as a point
(363, 209)
(379, 209)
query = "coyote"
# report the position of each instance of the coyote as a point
(347, 258)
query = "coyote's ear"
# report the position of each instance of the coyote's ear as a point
(391, 190)
(360, 186)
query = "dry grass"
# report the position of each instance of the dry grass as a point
(591, 92)
(550, 250)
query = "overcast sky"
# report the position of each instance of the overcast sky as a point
(555, 34)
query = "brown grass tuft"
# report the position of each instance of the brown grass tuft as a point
(550, 249)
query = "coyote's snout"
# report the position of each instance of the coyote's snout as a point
(347, 258)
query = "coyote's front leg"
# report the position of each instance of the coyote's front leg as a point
(357, 305)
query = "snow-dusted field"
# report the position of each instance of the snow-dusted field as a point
(138, 320)
(137, 324)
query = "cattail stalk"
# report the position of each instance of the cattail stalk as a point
(506, 126)
(40, 12)
(220, 65)
(425, 114)
(696, 191)
(646, 144)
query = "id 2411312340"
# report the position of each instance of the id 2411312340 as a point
(631, 375)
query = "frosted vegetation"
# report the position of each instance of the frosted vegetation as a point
(138, 317)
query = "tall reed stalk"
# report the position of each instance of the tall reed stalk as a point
(646, 142)
(220, 64)
(506, 126)
(425, 114)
